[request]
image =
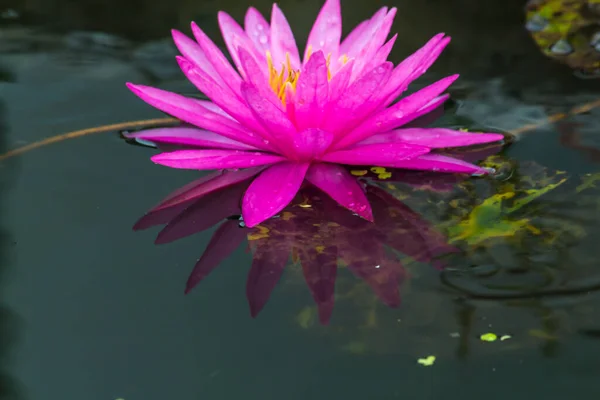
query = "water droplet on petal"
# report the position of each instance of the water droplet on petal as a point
(263, 39)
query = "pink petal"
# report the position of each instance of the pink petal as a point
(374, 39)
(192, 51)
(401, 112)
(434, 138)
(272, 191)
(426, 112)
(282, 40)
(209, 105)
(218, 60)
(354, 104)
(214, 159)
(206, 185)
(357, 38)
(311, 92)
(439, 163)
(235, 37)
(414, 66)
(383, 155)
(258, 30)
(220, 95)
(326, 32)
(339, 82)
(190, 137)
(311, 144)
(342, 187)
(223, 242)
(190, 111)
(276, 122)
(382, 54)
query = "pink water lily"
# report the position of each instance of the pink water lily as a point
(299, 116)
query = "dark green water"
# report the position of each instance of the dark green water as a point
(92, 310)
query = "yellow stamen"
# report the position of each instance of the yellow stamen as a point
(279, 79)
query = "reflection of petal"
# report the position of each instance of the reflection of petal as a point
(405, 230)
(366, 259)
(268, 264)
(203, 214)
(222, 243)
(320, 270)
(203, 186)
(164, 212)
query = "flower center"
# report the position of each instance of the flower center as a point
(288, 77)
(278, 80)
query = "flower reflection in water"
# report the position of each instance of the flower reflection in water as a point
(313, 230)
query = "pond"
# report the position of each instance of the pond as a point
(482, 287)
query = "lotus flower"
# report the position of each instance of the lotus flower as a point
(313, 229)
(299, 117)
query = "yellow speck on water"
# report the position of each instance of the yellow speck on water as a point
(359, 172)
(261, 233)
(427, 362)
(381, 172)
(320, 249)
(488, 337)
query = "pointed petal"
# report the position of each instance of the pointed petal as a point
(311, 144)
(414, 66)
(279, 127)
(373, 41)
(400, 112)
(342, 187)
(220, 95)
(320, 272)
(312, 92)
(426, 115)
(235, 38)
(258, 30)
(439, 163)
(204, 213)
(326, 33)
(271, 191)
(435, 138)
(192, 51)
(190, 137)
(190, 111)
(282, 40)
(268, 262)
(360, 35)
(223, 242)
(220, 63)
(214, 159)
(206, 185)
(382, 155)
(382, 54)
